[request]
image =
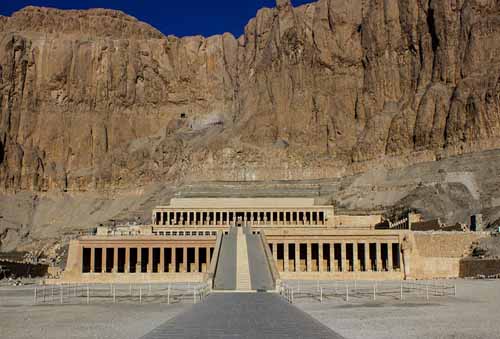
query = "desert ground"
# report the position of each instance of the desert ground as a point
(472, 313)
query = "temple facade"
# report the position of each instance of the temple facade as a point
(301, 240)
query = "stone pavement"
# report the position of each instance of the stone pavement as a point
(242, 315)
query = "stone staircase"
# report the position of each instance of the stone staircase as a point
(243, 282)
(242, 264)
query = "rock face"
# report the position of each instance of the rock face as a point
(93, 100)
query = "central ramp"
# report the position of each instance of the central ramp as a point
(243, 315)
(242, 263)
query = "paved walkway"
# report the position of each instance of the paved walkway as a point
(242, 315)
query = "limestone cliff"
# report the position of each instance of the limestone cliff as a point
(97, 100)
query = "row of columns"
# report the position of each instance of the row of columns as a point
(341, 256)
(226, 217)
(178, 260)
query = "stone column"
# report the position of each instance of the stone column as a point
(161, 218)
(275, 254)
(115, 260)
(297, 257)
(188, 217)
(162, 260)
(208, 259)
(332, 257)
(368, 266)
(309, 260)
(343, 254)
(379, 257)
(286, 256)
(138, 268)
(174, 260)
(197, 259)
(184, 259)
(271, 214)
(127, 260)
(168, 218)
(104, 257)
(92, 259)
(390, 264)
(355, 255)
(149, 268)
(320, 257)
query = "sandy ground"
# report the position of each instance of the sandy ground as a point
(473, 313)
(18, 319)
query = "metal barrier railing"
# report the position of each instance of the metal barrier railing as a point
(362, 290)
(115, 293)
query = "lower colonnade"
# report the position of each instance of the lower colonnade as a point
(172, 259)
(336, 256)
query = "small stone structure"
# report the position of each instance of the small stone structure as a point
(306, 241)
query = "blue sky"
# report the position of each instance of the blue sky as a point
(181, 18)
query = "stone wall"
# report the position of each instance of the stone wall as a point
(474, 267)
(358, 221)
(18, 269)
(438, 254)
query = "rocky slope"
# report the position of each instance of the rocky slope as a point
(96, 99)
(97, 109)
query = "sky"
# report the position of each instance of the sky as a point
(177, 17)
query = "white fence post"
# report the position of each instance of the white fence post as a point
(374, 292)
(347, 293)
(34, 298)
(168, 294)
(61, 292)
(88, 295)
(114, 294)
(321, 294)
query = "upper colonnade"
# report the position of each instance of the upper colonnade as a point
(253, 211)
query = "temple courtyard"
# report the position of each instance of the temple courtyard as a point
(472, 313)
